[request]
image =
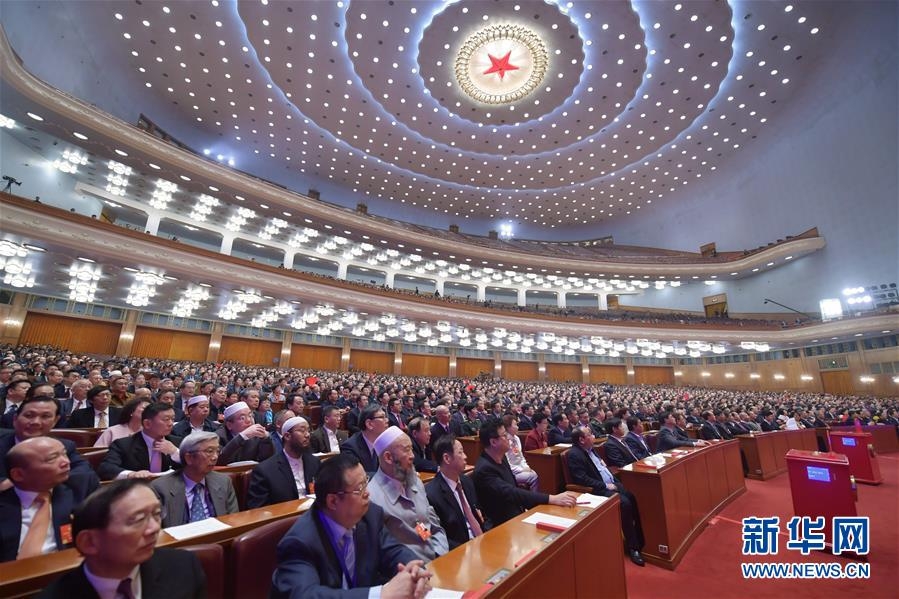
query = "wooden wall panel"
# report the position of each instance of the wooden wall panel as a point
(520, 371)
(150, 342)
(608, 373)
(469, 368)
(254, 352)
(314, 357)
(653, 375)
(371, 361)
(425, 365)
(564, 372)
(837, 382)
(76, 334)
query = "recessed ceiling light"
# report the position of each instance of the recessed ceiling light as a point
(88, 260)
(35, 117)
(79, 135)
(154, 166)
(121, 153)
(37, 248)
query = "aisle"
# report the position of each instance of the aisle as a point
(712, 565)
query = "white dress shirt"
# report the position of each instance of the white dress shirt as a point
(299, 475)
(26, 498)
(108, 587)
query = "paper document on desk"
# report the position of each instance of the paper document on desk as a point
(590, 501)
(539, 518)
(244, 463)
(195, 529)
(444, 594)
(158, 474)
(562, 445)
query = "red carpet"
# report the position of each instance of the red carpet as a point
(712, 564)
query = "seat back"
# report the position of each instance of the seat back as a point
(212, 559)
(253, 559)
(652, 439)
(95, 456)
(81, 437)
(566, 476)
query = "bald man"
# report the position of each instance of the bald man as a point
(35, 512)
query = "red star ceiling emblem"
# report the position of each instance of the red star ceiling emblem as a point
(500, 65)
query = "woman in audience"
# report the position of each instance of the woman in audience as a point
(129, 423)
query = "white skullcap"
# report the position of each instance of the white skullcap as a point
(197, 399)
(115, 373)
(235, 408)
(387, 438)
(292, 422)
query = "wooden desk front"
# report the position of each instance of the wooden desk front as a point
(547, 463)
(29, 576)
(677, 498)
(766, 452)
(472, 448)
(583, 561)
(884, 436)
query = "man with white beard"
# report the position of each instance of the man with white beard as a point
(397, 489)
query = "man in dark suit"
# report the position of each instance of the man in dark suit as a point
(76, 400)
(561, 429)
(618, 451)
(395, 414)
(354, 416)
(525, 422)
(635, 439)
(588, 469)
(197, 418)
(461, 521)
(373, 422)
(500, 497)
(420, 431)
(342, 543)
(769, 423)
(328, 437)
(709, 431)
(668, 439)
(150, 451)
(286, 475)
(36, 416)
(242, 438)
(16, 391)
(442, 426)
(197, 492)
(38, 468)
(116, 529)
(100, 414)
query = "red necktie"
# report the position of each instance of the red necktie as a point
(469, 515)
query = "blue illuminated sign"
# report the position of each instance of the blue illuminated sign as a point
(816, 473)
(848, 442)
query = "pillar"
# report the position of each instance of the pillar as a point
(345, 355)
(482, 293)
(585, 369)
(603, 301)
(522, 296)
(629, 370)
(388, 278)
(497, 364)
(152, 226)
(341, 270)
(13, 319)
(227, 244)
(398, 359)
(560, 299)
(452, 363)
(438, 285)
(126, 336)
(215, 341)
(289, 255)
(541, 367)
(286, 348)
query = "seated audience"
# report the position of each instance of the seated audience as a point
(197, 419)
(419, 429)
(523, 474)
(15, 395)
(100, 414)
(536, 437)
(77, 399)
(242, 438)
(635, 439)
(618, 451)
(499, 494)
(35, 417)
(397, 489)
(442, 425)
(328, 437)
(452, 494)
(151, 451)
(668, 439)
(708, 430)
(342, 544)
(289, 474)
(115, 530)
(197, 492)
(35, 512)
(372, 422)
(588, 469)
(128, 424)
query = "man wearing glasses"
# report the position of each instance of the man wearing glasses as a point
(372, 422)
(115, 529)
(341, 543)
(100, 414)
(197, 492)
(149, 452)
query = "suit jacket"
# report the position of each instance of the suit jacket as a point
(618, 452)
(535, 440)
(272, 480)
(130, 453)
(500, 497)
(423, 461)
(638, 445)
(557, 435)
(182, 429)
(584, 472)
(357, 446)
(168, 574)
(84, 418)
(318, 440)
(237, 449)
(669, 440)
(308, 566)
(710, 432)
(525, 423)
(724, 431)
(62, 501)
(171, 491)
(438, 431)
(443, 500)
(768, 427)
(82, 479)
(352, 420)
(396, 420)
